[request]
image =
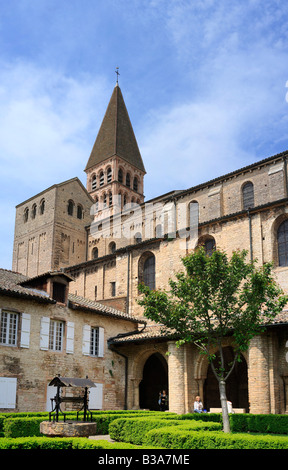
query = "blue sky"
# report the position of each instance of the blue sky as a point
(205, 84)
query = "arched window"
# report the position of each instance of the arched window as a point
(135, 184)
(42, 206)
(105, 201)
(79, 211)
(94, 183)
(101, 178)
(282, 242)
(128, 180)
(148, 275)
(109, 175)
(34, 211)
(26, 214)
(209, 246)
(95, 253)
(120, 176)
(110, 199)
(96, 205)
(138, 237)
(70, 207)
(112, 247)
(248, 196)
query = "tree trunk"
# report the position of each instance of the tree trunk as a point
(223, 399)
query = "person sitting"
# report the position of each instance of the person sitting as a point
(198, 405)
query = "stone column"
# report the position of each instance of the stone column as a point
(176, 378)
(258, 376)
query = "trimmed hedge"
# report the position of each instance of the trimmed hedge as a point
(177, 438)
(275, 424)
(63, 443)
(15, 426)
(133, 430)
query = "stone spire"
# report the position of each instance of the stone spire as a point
(116, 136)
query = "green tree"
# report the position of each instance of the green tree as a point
(212, 298)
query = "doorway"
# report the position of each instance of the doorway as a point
(236, 385)
(155, 379)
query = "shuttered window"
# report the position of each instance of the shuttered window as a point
(56, 331)
(8, 328)
(8, 387)
(93, 341)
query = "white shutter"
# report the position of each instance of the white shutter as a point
(44, 333)
(86, 340)
(25, 330)
(96, 397)
(101, 342)
(51, 392)
(70, 337)
(8, 387)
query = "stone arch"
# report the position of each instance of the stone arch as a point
(236, 385)
(154, 378)
(274, 231)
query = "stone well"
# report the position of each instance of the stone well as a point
(68, 429)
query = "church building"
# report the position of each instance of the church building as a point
(69, 305)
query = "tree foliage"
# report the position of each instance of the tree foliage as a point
(215, 297)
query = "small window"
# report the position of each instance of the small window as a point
(70, 207)
(248, 196)
(135, 184)
(109, 175)
(56, 331)
(112, 247)
(95, 293)
(120, 176)
(8, 328)
(128, 180)
(94, 341)
(209, 246)
(34, 211)
(95, 253)
(26, 214)
(42, 207)
(101, 178)
(79, 212)
(59, 292)
(113, 289)
(110, 199)
(105, 201)
(96, 205)
(94, 183)
(138, 237)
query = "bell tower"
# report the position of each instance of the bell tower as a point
(115, 170)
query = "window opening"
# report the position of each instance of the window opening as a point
(56, 329)
(8, 328)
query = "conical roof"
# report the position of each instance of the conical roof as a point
(116, 135)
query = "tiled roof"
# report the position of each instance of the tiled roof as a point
(116, 135)
(75, 301)
(158, 332)
(10, 285)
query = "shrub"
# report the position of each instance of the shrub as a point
(177, 438)
(61, 443)
(276, 424)
(134, 430)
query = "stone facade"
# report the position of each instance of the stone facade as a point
(105, 252)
